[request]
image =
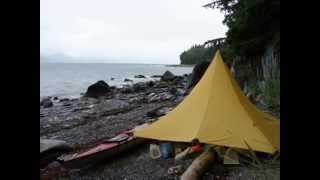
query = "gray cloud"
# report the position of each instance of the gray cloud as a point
(127, 31)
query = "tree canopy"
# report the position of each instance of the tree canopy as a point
(252, 25)
(196, 54)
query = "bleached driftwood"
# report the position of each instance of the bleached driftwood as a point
(198, 166)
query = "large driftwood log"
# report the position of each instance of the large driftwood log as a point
(198, 166)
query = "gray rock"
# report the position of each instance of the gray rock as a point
(167, 76)
(197, 73)
(179, 98)
(180, 91)
(127, 89)
(165, 96)
(156, 76)
(139, 76)
(127, 80)
(140, 86)
(173, 90)
(46, 103)
(54, 165)
(150, 83)
(161, 84)
(163, 111)
(51, 144)
(64, 99)
(97, 89)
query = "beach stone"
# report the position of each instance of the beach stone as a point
(127, 89)
(133, 100)
(98, 89)
(153, 99)
(46, 103)
(165, 96)
(173, 90)
(197, 73)
(179, 98)
(178, 80)
(139, 76)
(162, 84)
(180, 91)
(163, 111)
(54, 165)
(167, 76)
(50, 144)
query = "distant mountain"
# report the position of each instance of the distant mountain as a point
(54, 58)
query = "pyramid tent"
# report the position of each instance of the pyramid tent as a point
(216, 112)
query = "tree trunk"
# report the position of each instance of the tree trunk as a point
(198, 166)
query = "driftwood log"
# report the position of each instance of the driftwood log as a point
(198, 166)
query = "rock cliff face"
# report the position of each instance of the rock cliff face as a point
(260, 75)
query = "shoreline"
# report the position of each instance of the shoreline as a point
(180, 65)
(81, 122)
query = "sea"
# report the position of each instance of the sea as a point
(72, 79)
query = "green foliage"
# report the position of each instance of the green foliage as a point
(272, 93)
(253, 88)
(252, 24)
(196, 54)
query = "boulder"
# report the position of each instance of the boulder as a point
(150, 83)
(140, 86)
(113, 87)
(178, 80)
(46, 103)
(127, 80)
(127, 89)
(156, 76)
(51, 144)
(167, 76)
(51, 149)
(139, 76)
(64, 99)
(197, 72)
(97, 89)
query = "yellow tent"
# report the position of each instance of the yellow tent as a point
(216, 112)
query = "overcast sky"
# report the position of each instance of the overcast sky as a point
(133, 31)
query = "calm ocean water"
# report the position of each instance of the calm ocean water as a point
(71, 79)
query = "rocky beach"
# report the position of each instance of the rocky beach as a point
(103, 111)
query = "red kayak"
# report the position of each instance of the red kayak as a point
(102, 150)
